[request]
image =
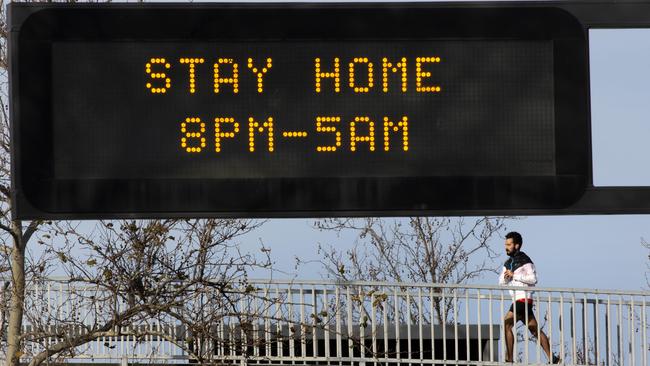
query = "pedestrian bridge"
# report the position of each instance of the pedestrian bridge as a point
(337, 323)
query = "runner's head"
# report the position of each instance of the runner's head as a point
(513, 243)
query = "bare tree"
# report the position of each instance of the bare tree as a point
(187, 273)
(14, 234)
(418, 249)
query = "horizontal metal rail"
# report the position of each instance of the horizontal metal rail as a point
(325, 283)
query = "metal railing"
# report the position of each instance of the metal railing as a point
(348, 323)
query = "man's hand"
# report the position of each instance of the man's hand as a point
(508, 275)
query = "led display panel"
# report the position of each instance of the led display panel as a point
(296, 110)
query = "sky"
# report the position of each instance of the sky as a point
(589, 251)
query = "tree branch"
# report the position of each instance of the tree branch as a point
(31, 229)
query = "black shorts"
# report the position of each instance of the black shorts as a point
(521, 311)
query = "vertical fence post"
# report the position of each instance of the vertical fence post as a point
(362, 327)
(455, 323)
(326, 325)
(385, 314)
(467, 345)
(597, 329)
(620, 330)
(408, 326)
(539, 328)
(503, 330)
(314, 334)
(397, 324)
(491, 322)
(561, 316)
(478, 325)
(256, 325)
(432, 323)
(278, 316)
(632, 340)
(339, 340)
(515, 346)
(373, 329)
(420, 324)
(585, 334)
(303, 324)
(349, 320)
(526, 320)
(550, 324)
(608, 329)
(644, 346)
(574, 335)
(291, 325)
(443, 308)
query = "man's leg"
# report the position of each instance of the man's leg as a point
(543, 340)
(508, 324)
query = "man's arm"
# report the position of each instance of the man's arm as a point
(502, 276)
(526, 274)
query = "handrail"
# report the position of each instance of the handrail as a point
(334, 283)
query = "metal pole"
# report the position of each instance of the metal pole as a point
(420, 324)
(644, 346)
(478, 321)
(490, 322)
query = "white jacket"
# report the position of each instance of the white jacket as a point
(524, 275)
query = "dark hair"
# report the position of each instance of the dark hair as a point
(516, 237)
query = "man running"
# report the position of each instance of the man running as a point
(519, 271)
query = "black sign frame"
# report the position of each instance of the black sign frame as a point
(38, 195)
